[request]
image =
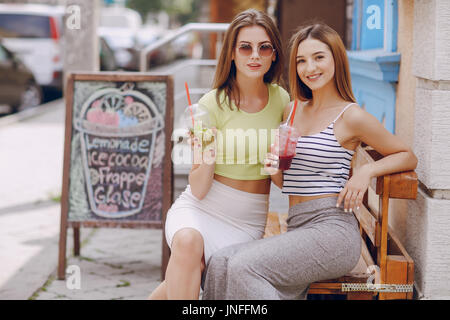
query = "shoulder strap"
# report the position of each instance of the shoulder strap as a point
(343, 110)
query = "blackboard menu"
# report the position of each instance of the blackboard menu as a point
(117, 164)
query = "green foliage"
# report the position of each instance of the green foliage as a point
(189, 11)
(183, 11)
(145, 6)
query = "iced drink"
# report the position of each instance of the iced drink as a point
(287, 143)
(201, 126)
(285, 162)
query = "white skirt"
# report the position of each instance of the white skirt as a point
(225, 216)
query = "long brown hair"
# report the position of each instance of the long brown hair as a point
(331, 38)
(225, 76)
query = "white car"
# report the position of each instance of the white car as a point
(119, 26)
(33, 32)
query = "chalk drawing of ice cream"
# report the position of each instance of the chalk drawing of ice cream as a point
(118, 134)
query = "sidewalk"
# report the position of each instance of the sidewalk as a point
(30, 175)
(114, 263)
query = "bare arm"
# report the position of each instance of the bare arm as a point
(200, 179)
(202, 171)
(398, 156)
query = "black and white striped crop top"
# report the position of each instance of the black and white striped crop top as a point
(321, 165)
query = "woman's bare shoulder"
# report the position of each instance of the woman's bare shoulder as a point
(355, 115)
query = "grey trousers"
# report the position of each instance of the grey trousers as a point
(322, 242)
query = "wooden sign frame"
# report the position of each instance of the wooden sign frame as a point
(167, 166)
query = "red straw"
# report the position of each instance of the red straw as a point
(190, 104)
(290, 125)
(293, 113)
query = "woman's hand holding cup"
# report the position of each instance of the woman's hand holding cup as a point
(271, 160)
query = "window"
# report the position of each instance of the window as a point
(374, 60)
(375, 25)
(24, 26)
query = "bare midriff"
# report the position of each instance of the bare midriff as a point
(293, 200)
(251, 186)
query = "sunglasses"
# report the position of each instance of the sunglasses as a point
(264, 50)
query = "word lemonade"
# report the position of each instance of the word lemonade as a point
(233, 146)
(118, 138)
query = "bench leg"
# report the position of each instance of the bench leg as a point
(360, 296)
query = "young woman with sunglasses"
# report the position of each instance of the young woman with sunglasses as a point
(323, 239)
(226, 201)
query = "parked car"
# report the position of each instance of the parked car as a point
(122, 29)
(18, 87)
(118, 27)
(34, 33)
(107, 59)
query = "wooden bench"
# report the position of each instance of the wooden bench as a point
(381, 248)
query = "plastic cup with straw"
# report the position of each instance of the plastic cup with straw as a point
(288, 135)
(196, 118)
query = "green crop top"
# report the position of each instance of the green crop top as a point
(243, 138)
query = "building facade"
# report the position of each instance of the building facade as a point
(398, 52)
(401, 74)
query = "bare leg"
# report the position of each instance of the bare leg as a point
(160, 293)
(186, 263)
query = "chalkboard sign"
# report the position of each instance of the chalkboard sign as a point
(117, 164)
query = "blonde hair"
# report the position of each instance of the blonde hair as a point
(331, 38)
(225, 76)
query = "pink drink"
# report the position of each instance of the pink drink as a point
(287, 142)
(285, 162)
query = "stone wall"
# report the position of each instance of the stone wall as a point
(428, 222)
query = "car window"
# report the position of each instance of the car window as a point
(24, 26)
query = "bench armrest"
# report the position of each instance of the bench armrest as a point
(402, 185)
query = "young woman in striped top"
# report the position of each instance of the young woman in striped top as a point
(323, 240)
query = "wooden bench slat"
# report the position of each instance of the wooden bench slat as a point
(396, 267)
(272, 225)
(399, 248)
(403, 185)
(282, 218)
(326, 290)
(368, 222)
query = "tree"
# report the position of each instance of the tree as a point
(146, 6)
(183, 11)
